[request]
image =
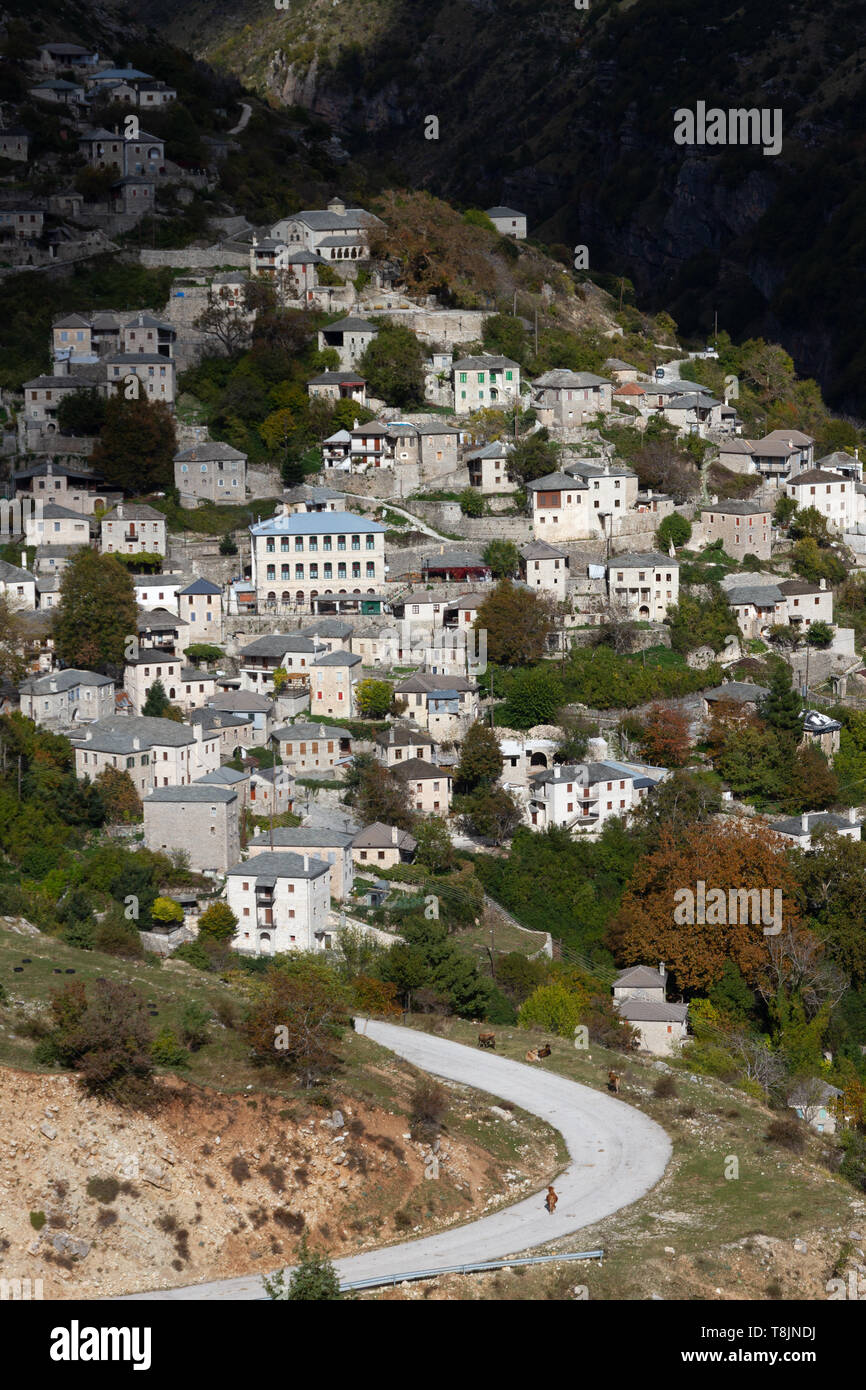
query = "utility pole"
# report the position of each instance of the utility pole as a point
(621, 284)
(514, 315)
(536, 330)
(19, 776)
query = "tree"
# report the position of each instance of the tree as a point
(218, 923)
(12, 664)
(813, 785)
(665, 739)
(533, 697)
(81, 413)
(167, 912)
(830, 877)
(97, 613)
(490, 812)
(434, 250)
(517, 622)
(684, 799)
(574, 738)
(435, 850)
(299, 1011)
(674, 530)
(808, 521)
(696, 622)
(119, 797)
(373, 698)
(157, 704)
(376, 795)
(204, 652)
(471, 502)
(729, 857)
(314, 1279)
(136, 446)
(480, 758)
(815, 564)
(393, 365)
(503, 558)
(534, 456)
(227, 325)
(819, 634)
(784, 510)
(781, 707)
(553, 1008)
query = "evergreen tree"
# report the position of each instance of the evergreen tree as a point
(313, 1280)
(781, 706)
(480, 758)
(157, 702)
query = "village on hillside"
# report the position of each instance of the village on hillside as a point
(344, 610)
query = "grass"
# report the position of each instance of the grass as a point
(506, 938)
(210, 519)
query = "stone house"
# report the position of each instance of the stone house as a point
(801, 829)
(443, 705)
(67, 697)
(200, 605)
(54, 56)
(757, 608)
(479, 382)
(296, 558)
(338, 386)
(76, 488)
(106, 149)
(203, 821)
(292, 652)
(350, 337)
(232, 730)
(197, 686)
(132, 196)
(402, 742)
(272, 790)
(141, 673)
(429, 785)
(332, 846)
(15, 143)
(544, 569)
(313, 747)
(582, 796)
(52, 524)
(508, 222)
(564, 400)
(154, 372)
(817, 1102)
(644, 584)
(17, 586)
(155, 752)
(639, 998)
(744, 528)
(331, 684)
(259, 707)
(282, 901)
(133, 528)
(488, 468)
(383, 846)
(832, 494)
(807, 603)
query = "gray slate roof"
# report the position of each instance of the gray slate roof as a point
(279, 865)
(118, 734)
(195, 792)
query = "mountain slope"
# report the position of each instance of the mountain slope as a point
(570, 115)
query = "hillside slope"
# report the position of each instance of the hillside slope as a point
(569, 114)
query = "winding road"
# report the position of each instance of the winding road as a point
(616, 1154)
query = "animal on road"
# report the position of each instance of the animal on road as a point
(551, 1200)
(487, 1040)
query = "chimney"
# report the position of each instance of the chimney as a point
(662, 971)
(804, 824)
(822, 583)
(120, 509)
(306, 862)
(852, 815)
(395, 835)
(24, 559)
(136, 743)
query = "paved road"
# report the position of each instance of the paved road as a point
(246, 112)
(616, 1155)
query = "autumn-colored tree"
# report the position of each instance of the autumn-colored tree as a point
(375, 997)
(731, 856)
(376, 795)
(11, 660)
(297, 1014)
(435, 250)
(813, 785)
(167, 912)
(136, 445)
(373, 698)
(665, 738)
(121, 800)
(517, 622)
(218, 922)
(97, 613)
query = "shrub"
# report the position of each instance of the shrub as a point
(665, 1088)
(429, 1105)
(314, 1279)
(103, 1190)
(194, 1023)
(553, 1008)
(37, 1220)
(788, 1133)
(167, 1051)
(471, 502)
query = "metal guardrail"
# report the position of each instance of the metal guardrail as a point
(469, 1269)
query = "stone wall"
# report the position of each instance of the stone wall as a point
(196, 257)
